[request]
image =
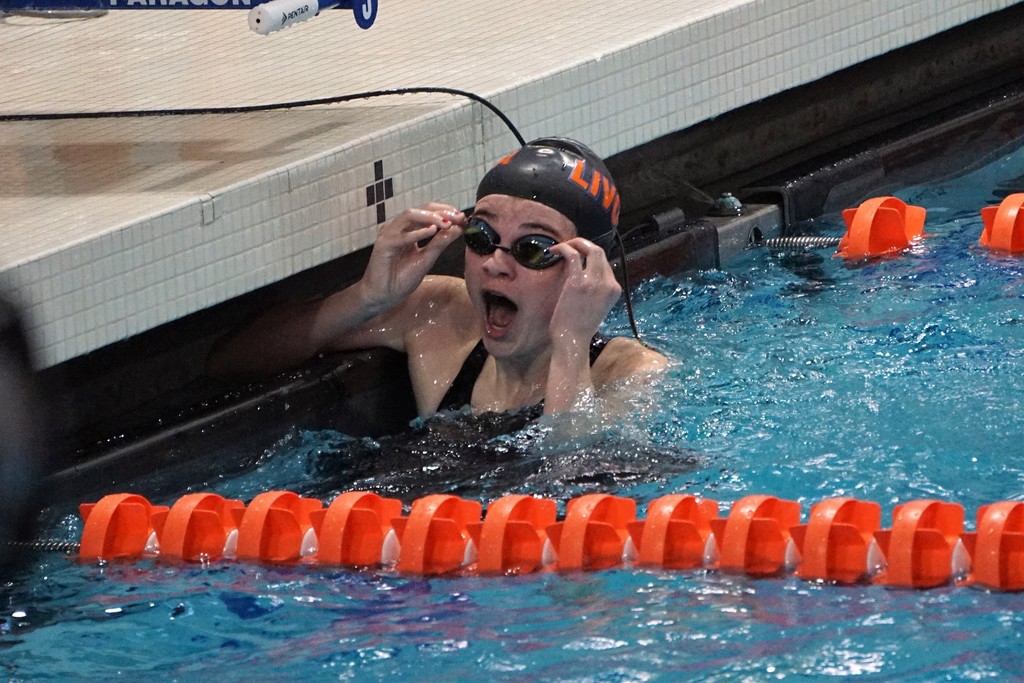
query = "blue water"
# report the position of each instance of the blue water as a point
(798, 375)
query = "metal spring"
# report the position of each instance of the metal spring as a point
(46, 545)
(801, 242)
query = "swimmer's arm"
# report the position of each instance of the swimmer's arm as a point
(375, 311)
(626, 376)
(589, 290)
(290, 334)
(570, 384)
(573, 383)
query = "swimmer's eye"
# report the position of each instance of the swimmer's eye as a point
(480, 237)
(533, 251)
(530, 251)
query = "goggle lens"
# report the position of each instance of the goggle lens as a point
(480, 237)
(530, 251)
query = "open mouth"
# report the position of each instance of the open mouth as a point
(500, 312)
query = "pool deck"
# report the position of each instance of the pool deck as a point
(114, 226)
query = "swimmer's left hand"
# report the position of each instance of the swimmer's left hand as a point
(589, 290)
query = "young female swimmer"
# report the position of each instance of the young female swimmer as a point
(521, 328)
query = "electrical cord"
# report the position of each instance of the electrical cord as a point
(197, 111)
(132, 113)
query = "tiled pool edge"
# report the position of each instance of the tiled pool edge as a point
(232, 240)
(116, 360)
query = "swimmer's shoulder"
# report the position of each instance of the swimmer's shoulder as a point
(442, 336)
(444, 289)
(440, 311)
(443, 297)
(625, 357)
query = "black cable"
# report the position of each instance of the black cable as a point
(311, 103)
(269, 107)
(625, 287)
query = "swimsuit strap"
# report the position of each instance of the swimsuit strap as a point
(460, 392)
(597, 345)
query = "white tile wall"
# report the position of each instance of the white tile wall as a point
(112, 226)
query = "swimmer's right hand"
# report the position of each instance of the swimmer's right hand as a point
(405, 250)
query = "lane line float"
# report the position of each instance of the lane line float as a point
(1004, 225)
(880, 225)
(842, 542)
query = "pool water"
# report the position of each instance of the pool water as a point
(799, 375)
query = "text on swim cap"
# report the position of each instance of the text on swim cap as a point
(598, 184)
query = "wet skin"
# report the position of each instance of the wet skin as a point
(536, 324)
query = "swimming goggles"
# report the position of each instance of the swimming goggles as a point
(530, 251)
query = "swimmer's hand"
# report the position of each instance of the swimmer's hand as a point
(589, 290)
(405, 250)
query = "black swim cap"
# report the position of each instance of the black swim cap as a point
(565, 175)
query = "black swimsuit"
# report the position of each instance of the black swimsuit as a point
(460, 393)
(488, 455)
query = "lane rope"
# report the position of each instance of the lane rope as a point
(842, 541)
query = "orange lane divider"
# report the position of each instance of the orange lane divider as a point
(1004, 225)
(513, 535)
(841, 542)
(755, 539)
(594, 533)
(276, 527)
(997, 547)
(357, 529)
(435, 538)
(121, 525)
(676, 532)
(838, 544)
(886, 225)
(923, 547)
(880, 225)
(202, 526)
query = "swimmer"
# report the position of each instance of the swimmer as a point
(521, 328)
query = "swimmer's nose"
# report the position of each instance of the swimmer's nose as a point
(499, 262)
